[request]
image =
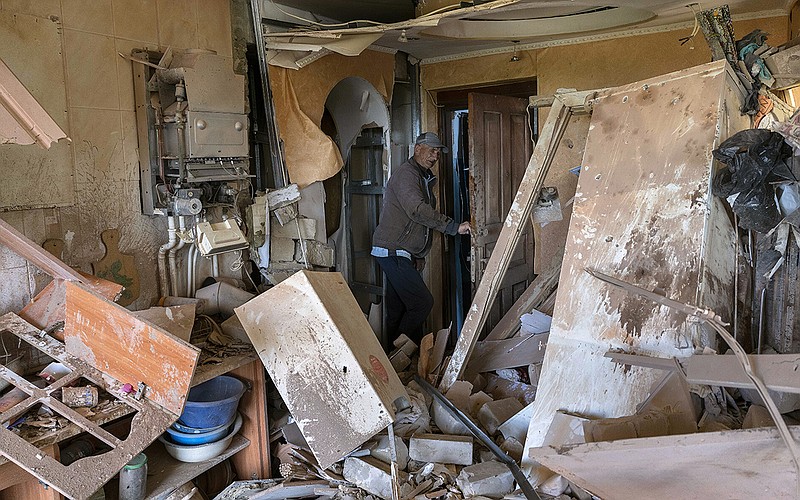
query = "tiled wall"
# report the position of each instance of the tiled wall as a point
(102, 126)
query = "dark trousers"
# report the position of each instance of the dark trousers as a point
(408, 301)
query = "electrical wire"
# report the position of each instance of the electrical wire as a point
(696, 28)
(433, 100)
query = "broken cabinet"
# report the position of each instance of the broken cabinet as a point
(644, 213)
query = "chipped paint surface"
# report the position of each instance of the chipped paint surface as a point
(644, 213)
(325, 361)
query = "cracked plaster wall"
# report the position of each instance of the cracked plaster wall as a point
(98, 85)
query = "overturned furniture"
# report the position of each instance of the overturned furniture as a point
(325, 361)
(105, 345)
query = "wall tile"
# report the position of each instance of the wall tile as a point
(39, 8)
(135, 20)
(214, 27)
(88, 15)
(91, 70)
(97, 140)
(177, 23)
(14, 289)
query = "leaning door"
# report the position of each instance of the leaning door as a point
(500, 148)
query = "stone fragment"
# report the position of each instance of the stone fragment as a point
(477, 400)
(491, 479)
(757, 416)
(441, 448)
(458, 394)
(494, 413)
(281, 249)
(382, 450)
(554, 486)
(284, 196)
(315, 253)
(517, 426)
(513, 448)
(300, 227)
(373, 476)
(399, 361)
(285, 215)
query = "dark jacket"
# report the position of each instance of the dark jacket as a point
(409, 211)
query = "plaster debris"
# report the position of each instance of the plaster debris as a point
(491, 479)
(441, 449)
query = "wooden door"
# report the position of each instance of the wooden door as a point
(500, 147)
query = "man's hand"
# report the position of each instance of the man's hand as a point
(463, 228)
(419, 264)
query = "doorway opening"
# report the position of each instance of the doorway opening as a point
(482, 176)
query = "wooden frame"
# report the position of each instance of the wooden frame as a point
(564, 106)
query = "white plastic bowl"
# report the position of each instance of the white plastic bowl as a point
(201, 452)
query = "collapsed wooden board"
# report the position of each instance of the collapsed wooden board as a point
(644, 211)
(325, 361)
(751, 463)
(83, 477)
(132, 350)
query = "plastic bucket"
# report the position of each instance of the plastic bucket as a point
(212, 403)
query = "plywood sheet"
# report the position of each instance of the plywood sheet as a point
(644, 210)
(110, 338)
(325, 361)
(752, 463)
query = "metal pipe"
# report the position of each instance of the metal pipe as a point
(190, 270)
(215, 265)
(173, 252)
(163, 281)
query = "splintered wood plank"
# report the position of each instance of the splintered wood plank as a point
(534, 296)
(48, 308)
(508, 239)
(129, 349)
(751, 463)
(35, 254)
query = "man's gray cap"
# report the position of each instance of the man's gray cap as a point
(432, 140)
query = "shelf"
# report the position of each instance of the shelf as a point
(202, 373)
(164, 473)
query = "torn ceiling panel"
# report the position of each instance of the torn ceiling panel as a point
(22, 119)
(442, 31)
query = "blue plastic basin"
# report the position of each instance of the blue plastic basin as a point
(212, 403)
(187, 438)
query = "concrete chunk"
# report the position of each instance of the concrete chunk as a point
(373, 476)
(316, 253)
(491, 479)
(757, 416)
(517, 426)
(477, 400)
(494, 413)
(281, 249)
(441, 448)
(458, 394)
(284, 196)
(299, 227)
(383, 451)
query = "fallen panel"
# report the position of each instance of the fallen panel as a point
(325, 361)
(780, 372)
(177, 320)
(492, 355)
(649, 147)
(85, 476)
(109, 337)
(752, 463)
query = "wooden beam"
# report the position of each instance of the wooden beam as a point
(35, 254)
(129, 349)
(537, 293)
(517, 217)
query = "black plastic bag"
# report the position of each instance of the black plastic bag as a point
(754, 159)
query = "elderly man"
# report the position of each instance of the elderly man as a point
(403, 238)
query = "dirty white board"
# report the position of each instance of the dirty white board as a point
(325, 361)
(750, 463)
(643, 213)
